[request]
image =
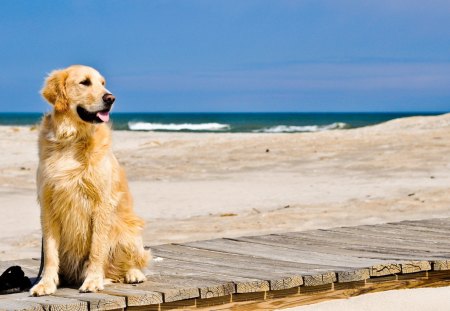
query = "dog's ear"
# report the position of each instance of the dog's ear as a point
(54, 90)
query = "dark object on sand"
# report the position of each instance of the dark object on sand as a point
(13, 280)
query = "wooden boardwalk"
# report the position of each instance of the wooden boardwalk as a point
(270, 271)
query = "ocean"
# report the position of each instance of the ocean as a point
(229, 122)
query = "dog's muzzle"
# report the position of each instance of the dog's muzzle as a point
(98, 116)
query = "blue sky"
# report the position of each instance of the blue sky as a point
(234, 55)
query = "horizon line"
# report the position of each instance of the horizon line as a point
(247, 112)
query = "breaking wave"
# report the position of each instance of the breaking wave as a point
(306, 128)
(145, 126)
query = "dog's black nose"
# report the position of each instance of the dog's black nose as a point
(108, 99)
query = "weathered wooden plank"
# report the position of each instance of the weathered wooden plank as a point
(173, 293)
(405, 232)
(273, 240)
(352, 276)
(214, 292)
(256, 287)
(359, 251)
(278, 281)
(58, 303)
(402, 236)
(343, 244)
(252, 265)
(96, 301)
(349, 237)
(406, 267)
(439, 222)
(175, 287)
(385, 269)
(195, 255)
(240, 283)
(238, 275)
(386, 246)
(415, 266)
(421, 228)
(280, 253)
(440, 265)
(13, 305)
(321, 279)
(432, 224)
(306, 298)
(286, 282)
(312, 274)
(134, 297)
(209, 284)
(355, 273)
(397, 255)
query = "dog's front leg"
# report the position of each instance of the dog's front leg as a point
(101, 226)
(51, 237)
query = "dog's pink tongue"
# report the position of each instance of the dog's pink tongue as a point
(103, 115)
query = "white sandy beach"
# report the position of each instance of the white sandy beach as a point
(422, 299)
(190, 186)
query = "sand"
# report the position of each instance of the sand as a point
(423, 299)
(194, 186)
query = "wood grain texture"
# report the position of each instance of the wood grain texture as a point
(201, 285)
(281, 253)
(317, 245)
(385, 269)
(320, 279)
(329, 263)
(212, 292)
(372, 245)
(96, 301)
(192, 254)
(135, 297)
(218, 273)
(415, 266)
(440, 265)
(296, 300)
(241, 276)
(53, 303)
(11, 304)
(242, 262)
(352, 276)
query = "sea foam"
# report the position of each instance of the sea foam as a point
(306, 128)
(146, 126)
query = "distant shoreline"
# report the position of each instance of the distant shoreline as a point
(228, 122)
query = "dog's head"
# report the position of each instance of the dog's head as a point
(79, 91)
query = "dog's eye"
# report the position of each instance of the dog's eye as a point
(103, 82)
(86, 82)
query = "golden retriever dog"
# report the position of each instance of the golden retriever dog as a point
(90, 231)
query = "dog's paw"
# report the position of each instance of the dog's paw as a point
(44, 287)
(92, 283)
(134, 276)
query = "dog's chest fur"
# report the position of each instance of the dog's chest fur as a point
(75, 178)
(80, 171)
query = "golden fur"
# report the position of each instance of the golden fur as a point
(89, 228)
